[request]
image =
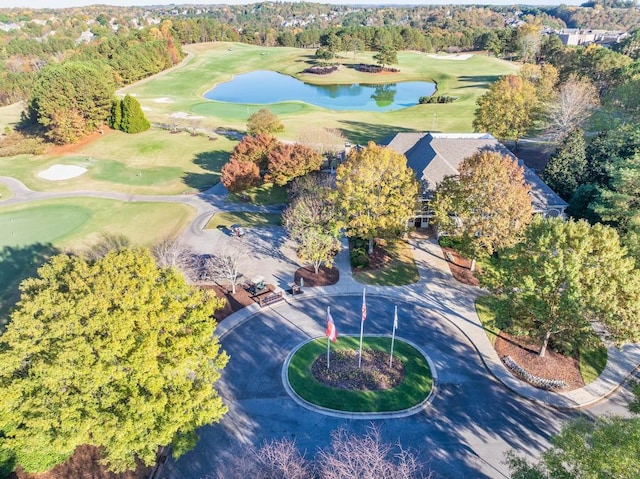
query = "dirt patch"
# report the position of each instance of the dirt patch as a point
(375, 374)
(553, 366)
(325, 277)
(85, 464)
(58, 150)
(460, 268)
(234, 302)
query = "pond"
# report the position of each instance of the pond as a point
(264, 87)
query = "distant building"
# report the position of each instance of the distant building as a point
(577, 36)
(435, 155)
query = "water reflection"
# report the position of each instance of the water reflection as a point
(263, 87)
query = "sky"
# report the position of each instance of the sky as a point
(121, 3)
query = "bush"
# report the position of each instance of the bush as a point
(437, 99)
(324, 54)
(359, 258)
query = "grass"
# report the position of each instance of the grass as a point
(413, 390)
(182, 89)
(267, 194)
(153, 162)
(400, 270)
(246, 219)
(486, 307)
(5, 192)
(33, 232)
(593, 360)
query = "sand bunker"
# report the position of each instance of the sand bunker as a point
(163, 99)
(185, 116)
(459, 56)
(62, 172)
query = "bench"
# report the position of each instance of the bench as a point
(267, 299)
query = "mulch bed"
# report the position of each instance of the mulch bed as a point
(552, 366)
(325, 277)
(85, 464)
(373, 375)
(460, 268)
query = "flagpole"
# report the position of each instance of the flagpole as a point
(364, 315)
(328, 340)
(393, 334)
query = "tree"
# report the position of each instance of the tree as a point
(326, 141)
(508, 109)
(587, 449)
(311, 221)
(572, 105)
(563, 276)
(487, 206)
(368, 456)
(529, 40)
(72, 99)
(132, 117)
(566, 170)
(288, 161)
(386, 55)
(263, 121)
(237, 175)
(227, 264)
(116, 353)
(255, 149)
(376, 193)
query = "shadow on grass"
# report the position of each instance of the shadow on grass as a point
(361, 133)
(211, 162)
(476, 81)
(17, 264)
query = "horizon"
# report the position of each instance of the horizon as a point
(46, 4)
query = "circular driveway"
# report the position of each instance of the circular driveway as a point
(462, 433)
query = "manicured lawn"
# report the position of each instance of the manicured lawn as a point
(246, 219)
(5, 193)
(413, 390)
(400, 270)
(31, 233)
(182, 90)
(153, 162)
(267, 194)
(592, 362)
(486, 308)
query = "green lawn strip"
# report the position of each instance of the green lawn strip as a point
(10, 115)
(267, 194)
(486, 307)
(413, 390)
(399, 271)
(593, 360)
(246, 219)
(37, 230)
(5, 192)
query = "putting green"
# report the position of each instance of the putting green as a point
(413, 390)
(45, 224)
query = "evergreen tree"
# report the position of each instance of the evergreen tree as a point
(115, 121)
(567, 167)
(133, 119)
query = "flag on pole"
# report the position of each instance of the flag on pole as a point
(364, 306)
(395, 320)
(331, 332)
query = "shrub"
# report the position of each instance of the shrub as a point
(324, 54)
(263, 121)
(359, 258)
(437, 99)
